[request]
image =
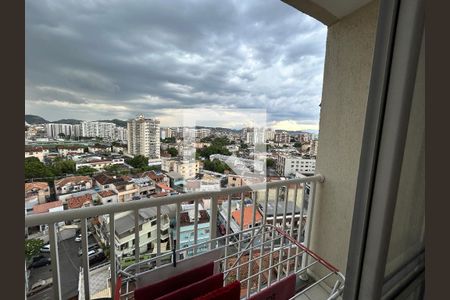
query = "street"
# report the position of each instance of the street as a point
(69, 268)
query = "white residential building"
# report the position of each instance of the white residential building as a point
(104, 130)
(54, 130)
(253, 136)
(99, 164)
(269, 134)
(125, 237)
(120, 134)
(289, 165)
(314, 144)
(186, 168)
(144, 137)
(202, 133)
(282, 137)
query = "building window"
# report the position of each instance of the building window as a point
(149, 235)
(153, 223)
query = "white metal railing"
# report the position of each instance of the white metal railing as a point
(293, 228)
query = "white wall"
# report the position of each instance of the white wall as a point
(348, 64)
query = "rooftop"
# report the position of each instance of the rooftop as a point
(43, 208)
(175, 175)
(248, 215)
(77, 202)
(280, 209)
(106, 193)
(185, 219)
(164, 186)
(105, 179)
(72, 180)
(33, 186)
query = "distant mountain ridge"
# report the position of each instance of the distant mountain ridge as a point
(33, 119)
(118, 122)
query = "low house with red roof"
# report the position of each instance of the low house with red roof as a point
(163, 188)
(156, 177)
(72, 184)
(79, 201)
(248, 217)
(48, 207)
(36, 151)
(65, 150)
(39, 190)
(107, 196)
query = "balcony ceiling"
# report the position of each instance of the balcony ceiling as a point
(327, 11)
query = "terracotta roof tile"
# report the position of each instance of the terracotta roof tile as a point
(29, 186)
(43, 208)
(248, 216)
(106, 193)
(77, 202)
(74, 179)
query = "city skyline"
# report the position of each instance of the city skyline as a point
(95, 60)
(175, 126)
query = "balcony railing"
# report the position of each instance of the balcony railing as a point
(288, 232)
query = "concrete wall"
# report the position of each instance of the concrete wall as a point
(348, 63)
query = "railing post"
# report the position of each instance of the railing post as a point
(195, 225)
(308, 224)
(272, 245)
(178, 226)
(158, 234)
(261, 251)
(112, 253)
(85, 258)
(137, 248)
(213, 222)
(55, 260)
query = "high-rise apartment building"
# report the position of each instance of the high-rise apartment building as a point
(143, 137)
(269, 134)
(105, 130)
(201, 133)
(56, 130)
(289, 165)
(121, 134)
(282, 137)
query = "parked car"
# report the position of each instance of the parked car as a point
(44, 261)
(97, 258)
(39, 286)
(45, 248)
(90, 247)
(36, 258)
(78, 237)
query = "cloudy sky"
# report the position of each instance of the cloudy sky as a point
(95, 60)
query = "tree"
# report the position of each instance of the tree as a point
(217, 147)
(270, 163)
(297, 145)
(86, 170)
(243, 146)
(32, 247)
(173, 151)
(169, 140)
(61, 166)
(138, 162)
(216, 166)
(34, 168)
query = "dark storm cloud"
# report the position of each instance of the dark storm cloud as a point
(132, 57)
